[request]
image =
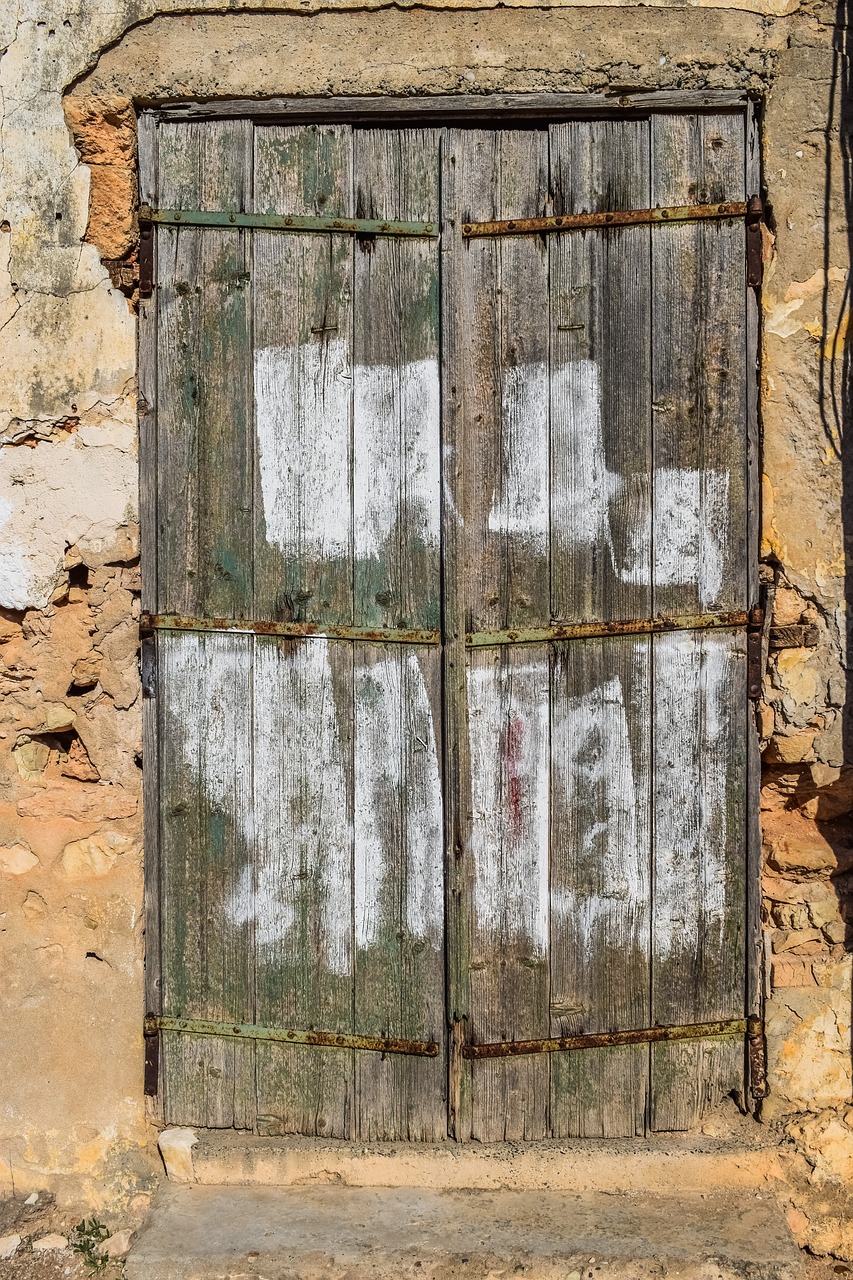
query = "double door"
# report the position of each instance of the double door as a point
(447, 578)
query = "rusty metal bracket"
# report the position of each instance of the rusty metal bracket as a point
(286, 1035)
(286, 222)
(151, 622)
(151, 1078)
(736, 1027)
(757, 1056)
(754, 241)
(756, 651)
(621, 218)
(146, 256)
(594, 630)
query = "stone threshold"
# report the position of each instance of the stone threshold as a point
(665, 1166)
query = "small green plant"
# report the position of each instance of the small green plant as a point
(85, 1238)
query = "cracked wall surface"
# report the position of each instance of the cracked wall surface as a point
(70, 780)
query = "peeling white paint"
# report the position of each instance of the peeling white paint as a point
(398, 810)
(304, 834)
(305, 398)
(595, 775)
(53, 495)
(508, 713)
(302, 422)
(396, 467)
(689, 512)
(520, 506)
(693, 674)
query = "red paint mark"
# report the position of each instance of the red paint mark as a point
(511, 741)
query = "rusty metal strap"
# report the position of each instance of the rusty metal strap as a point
(286, 222)
(287, 1035)
(610, 1039)
(621, 218)
(150, 622)
(593, 630)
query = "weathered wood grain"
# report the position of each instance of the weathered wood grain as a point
(396, 463)
(456, 147)
(601, 491)
(699, 377)
(443, 108)
(698, 905)
(303, 379)
(398, 890)
(204, 398)
(298, 889)
(206, 841)
(700, 561)
(600, 377)
(600, 882)
(504, 285)
(508, 739)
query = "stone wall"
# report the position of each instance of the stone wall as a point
(70, 757)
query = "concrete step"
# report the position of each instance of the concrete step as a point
(361, 1233)
(664, 1165)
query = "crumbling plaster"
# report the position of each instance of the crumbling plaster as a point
(70, 821)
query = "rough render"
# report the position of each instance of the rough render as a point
(70, 821)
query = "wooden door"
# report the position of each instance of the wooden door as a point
(418, 817)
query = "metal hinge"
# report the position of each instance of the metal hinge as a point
(659, 216)
(233, 220)
(292, 1035)
(754, 241)
(609, 1039)
(148, 666)
(152, 1058)
(146, 256)
(756, 651)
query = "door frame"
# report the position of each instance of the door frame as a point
(483, 111)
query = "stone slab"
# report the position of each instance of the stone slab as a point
(352, 1233)
(663, 1165)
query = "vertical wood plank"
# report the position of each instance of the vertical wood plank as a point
(700, 562)
(508, 727)
(204, 438)
(600, 882)
(601, 456)
(600, 377)
(699, 380)
(299, 890)
(206, 841)
(504, 375)
(396, 427)
(456, 160)
(698, 914)
(303, 379)
(398, 850)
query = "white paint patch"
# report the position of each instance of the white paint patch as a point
(398, 811)
(691, 508)
(508, 709)
(396, 468)
(691, 521)
(692, 677)
(594, 774)
(582, 495)
(302, 421)
(304, 835)
(520, 506)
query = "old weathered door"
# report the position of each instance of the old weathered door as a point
(420, 816)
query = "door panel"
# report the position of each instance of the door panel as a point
(420, 813)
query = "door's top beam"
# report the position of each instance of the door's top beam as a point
(286, 222)
(614, 218)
